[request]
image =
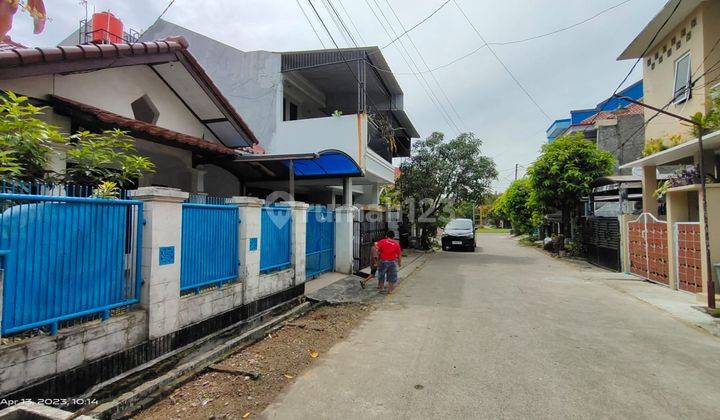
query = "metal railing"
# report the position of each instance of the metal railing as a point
(275, 238)
(319, 241)
(66, 256)
(209, 245)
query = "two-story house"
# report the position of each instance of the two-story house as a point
(344, 105)
(680, 51)
(614, 124)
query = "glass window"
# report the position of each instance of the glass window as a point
(682, 79)
(459, 224)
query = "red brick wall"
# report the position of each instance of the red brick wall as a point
(689, 258)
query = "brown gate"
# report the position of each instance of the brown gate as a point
(648, 248)
(688, 259)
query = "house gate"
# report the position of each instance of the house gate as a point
(648, 248)
(319, 241)
(688, 256)
(601, 238)
(369, 227)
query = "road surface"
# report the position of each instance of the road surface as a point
(508, 332)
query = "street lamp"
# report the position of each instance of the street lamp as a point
(703, 193)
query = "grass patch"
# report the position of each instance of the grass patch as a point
(492, 230)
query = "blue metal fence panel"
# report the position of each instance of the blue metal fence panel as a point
(209, 245)
(275, 238)
(67, 257)
(319, 241)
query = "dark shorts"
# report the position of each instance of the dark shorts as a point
(373, 270)
(387, 271)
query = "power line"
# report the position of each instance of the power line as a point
(452, 106)
(427, 87)
(517, 41)
(310, 23)
(484, 45)
(507, 70)
(322, 22)
(672, 99)
(158, 18)
(339, 24)
(342, 6)
(428, 91)
(392, 41)
(657, 33)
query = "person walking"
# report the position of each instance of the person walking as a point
(374, 256)
(390, 255)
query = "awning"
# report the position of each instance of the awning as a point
(677, 153)
(324, 164)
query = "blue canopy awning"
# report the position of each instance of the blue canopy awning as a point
(325, 164)
(329, 163)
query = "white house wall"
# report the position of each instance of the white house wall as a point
(114, 90)
(316, 134)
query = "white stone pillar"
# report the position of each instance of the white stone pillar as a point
(198, 179)
(649, 184)
(299, 225)
(161, 251)
(347, 192)
(249, 245)
(344, 239)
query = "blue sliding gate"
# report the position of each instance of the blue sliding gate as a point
(319, 241)
(66, 257)
(209, 245)
(275, 238)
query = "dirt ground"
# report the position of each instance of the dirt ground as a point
(279, 358)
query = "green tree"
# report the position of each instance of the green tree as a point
(519, 205)
(109, 156)
(25, 140)
(441, 172)
(563, 172)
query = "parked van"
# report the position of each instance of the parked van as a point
(459, 233)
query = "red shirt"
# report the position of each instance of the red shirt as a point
(389, 249)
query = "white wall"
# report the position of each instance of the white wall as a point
(251, 81)
(316, 134)
(114, 90)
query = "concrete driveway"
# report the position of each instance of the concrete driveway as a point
(509, 332)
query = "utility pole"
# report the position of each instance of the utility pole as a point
(516, 168)
(703, 194)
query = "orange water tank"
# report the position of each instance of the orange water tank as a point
(106, 28)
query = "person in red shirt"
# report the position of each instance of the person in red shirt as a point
(390, 259)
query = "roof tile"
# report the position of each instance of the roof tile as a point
(163, 134)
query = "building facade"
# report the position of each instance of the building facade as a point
(346, 101)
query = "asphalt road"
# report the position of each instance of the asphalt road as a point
(508, 332)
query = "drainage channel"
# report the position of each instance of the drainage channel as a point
(139, 391)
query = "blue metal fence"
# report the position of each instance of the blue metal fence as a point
(66, 257)
(319, 241)
(275, 238)
(209, 245)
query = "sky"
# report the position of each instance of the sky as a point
(573, 69)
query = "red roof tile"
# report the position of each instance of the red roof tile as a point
(632, 109)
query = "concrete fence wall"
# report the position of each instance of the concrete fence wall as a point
(162, 309)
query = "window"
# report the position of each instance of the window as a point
(682, 79)
(144, 110)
